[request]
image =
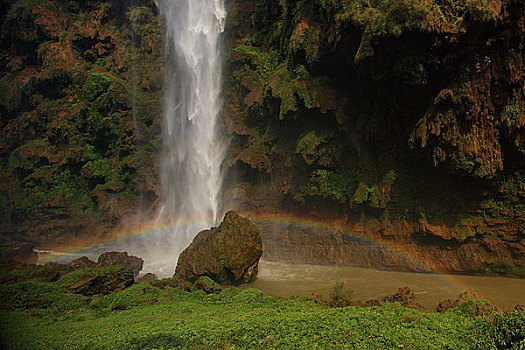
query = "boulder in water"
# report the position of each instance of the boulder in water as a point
(229, 254)
(123, 259)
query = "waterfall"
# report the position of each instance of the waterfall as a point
(193, 147)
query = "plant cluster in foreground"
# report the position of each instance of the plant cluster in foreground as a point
(170, 314)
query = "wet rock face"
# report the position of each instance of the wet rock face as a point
(228, 254)
(95, 52)
(131, 262)
(19, 252)
(422, 147)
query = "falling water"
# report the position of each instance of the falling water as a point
(193, 148)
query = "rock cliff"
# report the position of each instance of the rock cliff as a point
(79, 115)
(401, 121)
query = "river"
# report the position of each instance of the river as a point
(284, 280)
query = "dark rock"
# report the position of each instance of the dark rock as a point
(208, 285)
(405, 297)
(372, 302)
(123, 259)
(82, 263)
(148, 277)
(227, 254)
(19, 252)
(49, 272)
(99, 281)
(448, 304)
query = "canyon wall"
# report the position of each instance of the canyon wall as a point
(398, 122)
(403, 121)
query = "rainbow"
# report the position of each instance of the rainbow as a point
(154, 227)
(115, 237)
(151, 228)
(343, 227)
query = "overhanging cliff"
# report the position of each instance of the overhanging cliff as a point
(404, 120)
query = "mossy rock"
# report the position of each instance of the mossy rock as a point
(228, 254)
(97, 281)
(207, 285)
(174, 282)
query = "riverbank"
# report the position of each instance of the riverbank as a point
(166, 314)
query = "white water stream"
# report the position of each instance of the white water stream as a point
(193, 147)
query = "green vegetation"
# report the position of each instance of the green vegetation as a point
(263, 74)
(379, 114)
(79, 109)
(330, 184)
(164, 314)
(340, 296)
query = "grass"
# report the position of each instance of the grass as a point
(149, 316)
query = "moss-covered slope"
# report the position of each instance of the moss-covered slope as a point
(79, 107)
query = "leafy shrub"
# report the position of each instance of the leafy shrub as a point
(504, 331)
(36, 295)
(475, 308)
(331, 184)
(136, 295)
(248, 296)
(339, 295)
(317, 147)
(174, 282)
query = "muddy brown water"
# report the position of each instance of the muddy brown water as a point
(285, 280)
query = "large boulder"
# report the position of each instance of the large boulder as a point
(123, 259)
(229, 254)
